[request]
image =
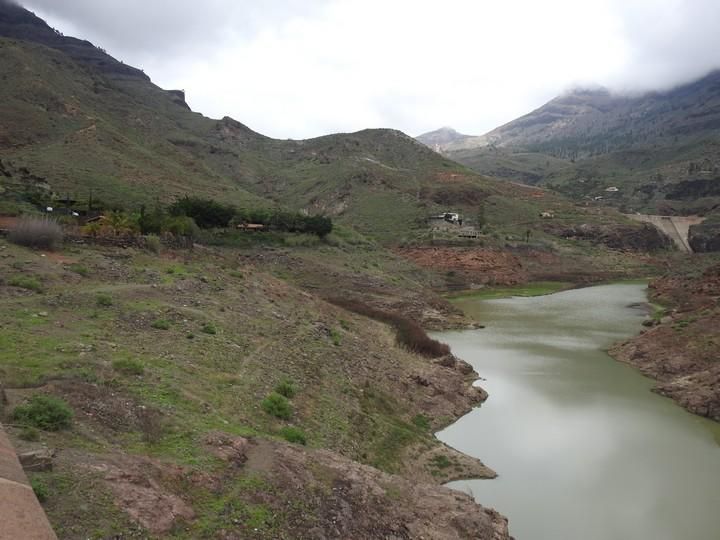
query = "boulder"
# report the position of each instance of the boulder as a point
(37, 460)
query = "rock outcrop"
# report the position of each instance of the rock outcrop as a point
(682, 348)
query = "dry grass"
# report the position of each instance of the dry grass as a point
(409, 334)
(37, 233)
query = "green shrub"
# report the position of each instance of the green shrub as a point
(79, 269)
(161, 324)
(209, 328)
(335, 337)
(277, 405)
(181, 226)
(441, 462)
(286, 388)
(26, 282)
(40, 489)
(128, 366)
(44, 412)
(37, 232)
(104, 300)
(206, 212)
(153, 244)
(293, 435)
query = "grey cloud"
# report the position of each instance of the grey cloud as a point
(670, 42)
(216, 51)
(152, 28)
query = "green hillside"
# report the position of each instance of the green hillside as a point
(74, 121)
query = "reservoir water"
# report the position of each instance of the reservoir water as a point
(583, 449)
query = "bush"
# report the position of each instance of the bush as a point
(26, 282)
(39, 233)
(293, 435)
(161, 324)
(151, 222)
(209, 328)
(286, 388)
(104, 300)
(207, 213)
(40, 489)
(277, 405)
(335, 337)
(181, 226)
(44, 412)
(412, 336)
(153, 244)
(79, 269)
(113, 224)
(128, 366)
(408, 333)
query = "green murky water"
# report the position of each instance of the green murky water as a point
(583, 449)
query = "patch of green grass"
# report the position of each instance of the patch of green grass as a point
(26, 282)
(538, 288)
(104, 300)
(336, 337)
(388, 436)
(286, 388)
(79, 269)
(161, 324)
(301, 240)
(277, 406)
(440, 462)
(421, 421)
(40, 489)
(44, 412)
(128, 366)
(209, 328)
(293, 435)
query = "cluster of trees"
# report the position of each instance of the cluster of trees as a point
(186, 216)
(209, 214)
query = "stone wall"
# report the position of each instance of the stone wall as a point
(21, 516)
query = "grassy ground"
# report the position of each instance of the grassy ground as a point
(153, 353)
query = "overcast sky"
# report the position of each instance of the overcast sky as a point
(302, 68)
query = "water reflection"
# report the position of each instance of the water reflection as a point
(584, 450)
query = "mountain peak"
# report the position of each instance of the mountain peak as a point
(439, 137)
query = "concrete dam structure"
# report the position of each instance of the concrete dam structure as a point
(675, 227)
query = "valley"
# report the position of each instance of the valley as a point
(207, 332)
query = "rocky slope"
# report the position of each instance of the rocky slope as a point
(586, 122)
(658, 152)
(681, 348)
(441, 137)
